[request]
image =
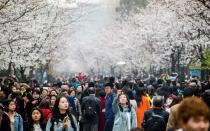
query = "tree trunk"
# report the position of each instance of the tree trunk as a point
(173, 63)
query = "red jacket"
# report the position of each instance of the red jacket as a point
(46, 114)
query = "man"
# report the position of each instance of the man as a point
(109, 114)
(156, 118)
(90, 111)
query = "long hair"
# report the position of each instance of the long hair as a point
(56, 115)
(128, 102)
(139, 94)
(41, 121)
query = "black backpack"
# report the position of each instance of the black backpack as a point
(89, 110)
(155, 123)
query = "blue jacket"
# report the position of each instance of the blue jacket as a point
(109, 114)
(57, 126)
(18, 122)
(72, 104)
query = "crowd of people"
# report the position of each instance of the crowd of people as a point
(108, 105)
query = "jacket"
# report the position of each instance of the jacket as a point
(57, 126)
(156, 111)
(109, 114)
(18, 122)
(124, 121)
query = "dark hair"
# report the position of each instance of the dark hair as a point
(44, 104)
(139, 94)
(129, 92)
(128, 103)
(91, 90)
(41, 121)
(102, 94)
(36, 91)
(56, 115)
(28, 95)
(109, 85)
(7, 104)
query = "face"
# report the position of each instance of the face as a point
(63, 104)
(14, 89)
(123, 99)
(53, 93)
(12, 106)
(44, 93)
(196, 124)
(35, 95)
(79, 89)
(52, 100)
(36, 115)
(108, 90)
(73, 94)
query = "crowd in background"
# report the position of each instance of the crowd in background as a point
(107, 104)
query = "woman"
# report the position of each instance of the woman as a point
(16, 121)
(61, 118)
(101, 124)
(36, 122)
(45, 108)
(125, 115)
(77, 104)
(143, 104)
(52, 101)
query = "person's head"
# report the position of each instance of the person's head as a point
(64, 92)
(44, 92)
(36, 94)
(130, 94)
(52, 100)
(102, 94)
(37, 115)
(14, 89)
(61, 104)
(79, 89)
(44, 104)
(158, 101)
(11, 106)
(26, 97)
(123, 99)
(53, 92)
(72, 93)
(193, 115)
(108, 88)
(91, 90)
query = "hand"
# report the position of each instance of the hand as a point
(34, 102)
(65, 123)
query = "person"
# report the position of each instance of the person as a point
(62, 119)
(77, 104)
(36, 121)
(90, 111)
(101, 124)
(4, 120)
(125, 114)
(109, 114)
(155, 119)
(16, 121)
(45, 109)
(193, 115)
(143, 104)
(52, 101)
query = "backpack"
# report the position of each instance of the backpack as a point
(155, 123)
(89, 110)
